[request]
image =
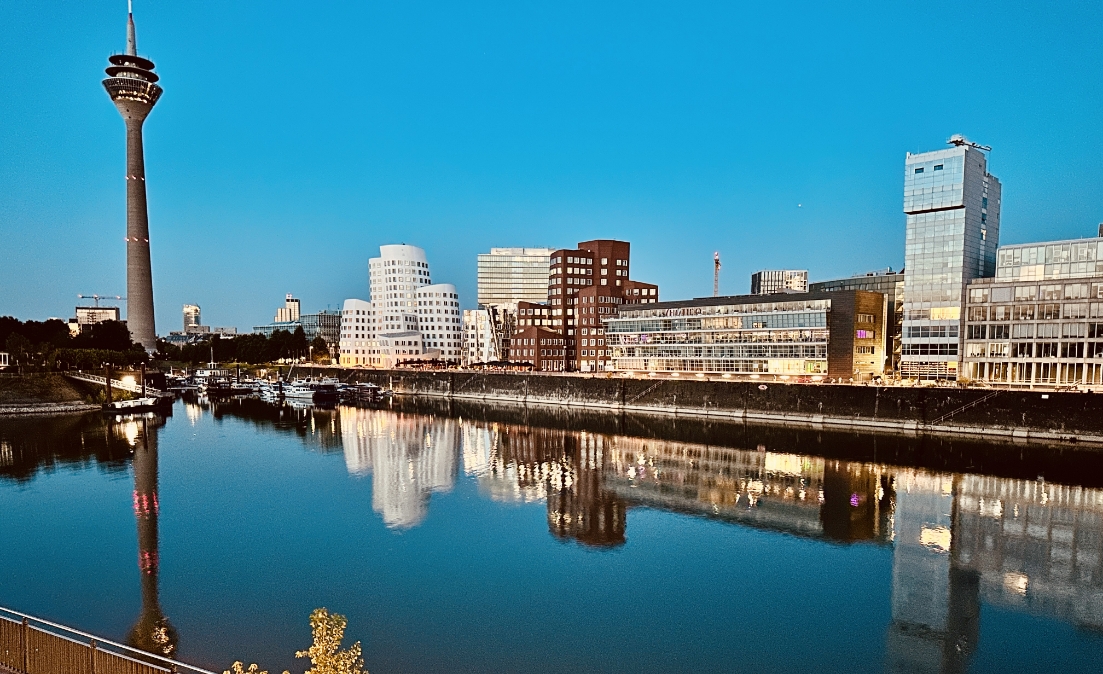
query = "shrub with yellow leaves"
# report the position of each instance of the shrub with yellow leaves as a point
(325, 653)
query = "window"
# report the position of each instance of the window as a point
(866, 334)
(1022, 331)
(919, 170)
(938, 167)
(1022, 349)
(1046, 350)
(1076, 311)
(978, 295)
(1072, 349)
(999, 331)
(865, 318)
(1051, 292)
(866, 350)
(946, 314)
(1049, 330)
(977, 332)
(1076, 291)
(978, 313)
(1026, 293)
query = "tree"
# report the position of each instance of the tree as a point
(18, 346)
(325, 653)
(108, 335)
(320, 348)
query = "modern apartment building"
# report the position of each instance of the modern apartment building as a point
(837, 335)
(359, 345)
(771, 281)
(952, 204)
(440, 321)
(1039, 322)
(543, 348)
(891, 285)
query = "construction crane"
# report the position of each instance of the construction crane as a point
(716, 274)
(96, 298)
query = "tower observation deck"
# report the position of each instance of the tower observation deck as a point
(133, 88)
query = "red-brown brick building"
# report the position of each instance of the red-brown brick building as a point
(585, 284)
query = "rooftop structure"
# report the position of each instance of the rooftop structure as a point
(770, 281)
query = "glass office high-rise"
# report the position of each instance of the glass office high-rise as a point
(953, 227)
(507, 276)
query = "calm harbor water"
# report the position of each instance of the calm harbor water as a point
(472, 539)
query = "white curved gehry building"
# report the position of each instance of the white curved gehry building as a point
(440, 320)
(359, 342)
(408, 318)
(395, 277)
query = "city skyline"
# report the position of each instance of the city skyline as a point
(512, 143)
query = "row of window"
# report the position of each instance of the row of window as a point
(1034, 350)
(1031, 330)
(1045, 292)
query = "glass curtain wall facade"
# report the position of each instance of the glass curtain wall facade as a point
(1039, 322)
(953, 223)
(770, 337)
(507, 276)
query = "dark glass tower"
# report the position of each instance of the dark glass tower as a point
(132, 85)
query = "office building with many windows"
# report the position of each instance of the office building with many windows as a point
(1039, 322)
(952, 204)
(507, 276)
(582, 280)
(770, 281)
(836, 335)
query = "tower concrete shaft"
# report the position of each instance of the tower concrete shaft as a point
(133, 88)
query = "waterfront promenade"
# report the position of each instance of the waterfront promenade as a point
(995, 414)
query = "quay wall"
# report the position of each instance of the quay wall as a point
(1008, 414)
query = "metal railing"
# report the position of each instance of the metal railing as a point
(135, 387)
(964, 407)
(30, 645)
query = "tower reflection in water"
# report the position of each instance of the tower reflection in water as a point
(958, 540)
(152, 632)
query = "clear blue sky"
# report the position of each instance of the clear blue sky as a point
(294, 138)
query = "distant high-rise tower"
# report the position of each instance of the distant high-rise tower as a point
(132, 85)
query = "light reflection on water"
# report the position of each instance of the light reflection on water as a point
(956, 541)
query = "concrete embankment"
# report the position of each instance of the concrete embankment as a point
(981, 413)
(42, 394)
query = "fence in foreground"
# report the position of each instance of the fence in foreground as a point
(30, 645)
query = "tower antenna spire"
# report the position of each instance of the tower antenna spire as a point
(131, 37)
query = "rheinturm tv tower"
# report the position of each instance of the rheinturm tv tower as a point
(132, 85)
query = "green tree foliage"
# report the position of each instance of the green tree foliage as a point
(252, 349)
(48, 344)
(108, 335)
(319, 348)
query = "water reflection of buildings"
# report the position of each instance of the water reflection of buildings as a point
(801, 495)
(408, 456)
(514, 463)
